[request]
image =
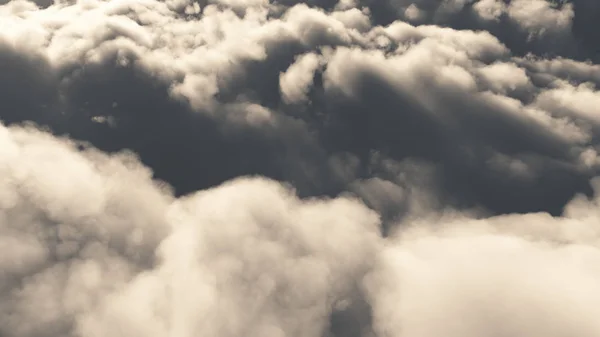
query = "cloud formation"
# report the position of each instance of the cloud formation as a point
(275, 168)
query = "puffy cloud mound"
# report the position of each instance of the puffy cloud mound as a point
(92, 246)
(401, 168)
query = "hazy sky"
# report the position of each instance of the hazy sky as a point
(319, 168)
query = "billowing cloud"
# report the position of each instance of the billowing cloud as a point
(281, 168)
(513, 274)
(93, 246)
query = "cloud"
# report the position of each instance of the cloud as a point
(512, 274)
(265, 89)
(241, 73)
(87, 234)
(298, 78)
(322, 168)
(246, 272)
(435, 285)
(94, 246)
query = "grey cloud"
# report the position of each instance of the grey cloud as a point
(194, 92)
(543, 27)
(330, 168)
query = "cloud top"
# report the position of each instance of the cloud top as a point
(316, 169)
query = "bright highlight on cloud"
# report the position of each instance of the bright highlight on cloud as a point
(315, 169)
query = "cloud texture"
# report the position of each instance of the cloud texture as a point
(323, 168)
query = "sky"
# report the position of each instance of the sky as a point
(318, 168)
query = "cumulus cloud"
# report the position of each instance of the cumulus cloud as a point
(482, 284)
(282, 168)
(513, 274)
(93, 246)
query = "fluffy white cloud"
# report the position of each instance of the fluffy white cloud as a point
(473, 284)
(516, 274)
(94, 247)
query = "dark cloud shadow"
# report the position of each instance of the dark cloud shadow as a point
(383, 119)
(118, 107)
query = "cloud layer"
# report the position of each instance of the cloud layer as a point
(273, 168)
